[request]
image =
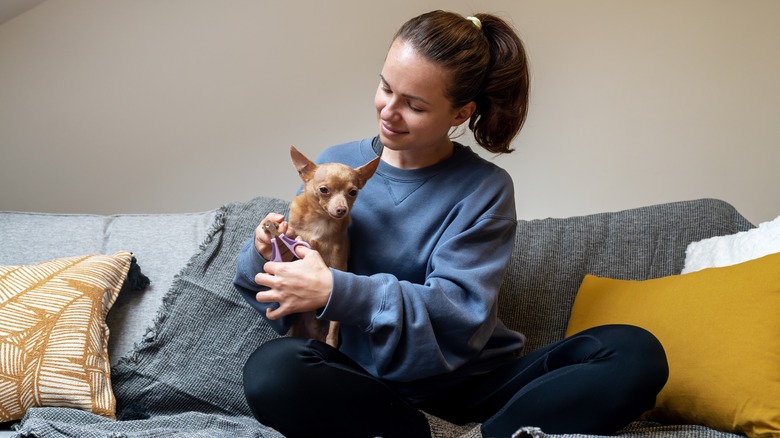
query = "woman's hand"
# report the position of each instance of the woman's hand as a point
(299, 286)
(263, 239)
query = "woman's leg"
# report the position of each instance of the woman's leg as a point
(594, 382)
(305, 388)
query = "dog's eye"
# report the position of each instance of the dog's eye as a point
(324, 190)
(353, 193)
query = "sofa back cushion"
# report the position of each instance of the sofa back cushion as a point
(161, 243)
(552, 256)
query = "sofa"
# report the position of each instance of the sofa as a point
(175, 347)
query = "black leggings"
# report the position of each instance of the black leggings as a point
(594, 382)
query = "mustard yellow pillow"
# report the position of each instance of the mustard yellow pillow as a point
(721, 331)
(53, 334)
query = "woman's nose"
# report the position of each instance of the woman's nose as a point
(389, 112)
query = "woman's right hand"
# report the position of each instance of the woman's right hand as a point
(263, 238)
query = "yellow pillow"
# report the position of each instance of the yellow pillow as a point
(53, 334)
(721, 331)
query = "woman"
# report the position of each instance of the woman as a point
(431, 236)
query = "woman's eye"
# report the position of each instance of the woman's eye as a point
(415, 109)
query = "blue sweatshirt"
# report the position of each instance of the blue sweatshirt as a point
(429, 248)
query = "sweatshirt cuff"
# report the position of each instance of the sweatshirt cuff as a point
(250, 264)
(353, 300)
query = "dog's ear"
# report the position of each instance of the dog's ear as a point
(366, 171)
(303, 165)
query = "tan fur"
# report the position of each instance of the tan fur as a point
(320, 216)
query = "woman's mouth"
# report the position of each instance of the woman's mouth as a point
(390, 131)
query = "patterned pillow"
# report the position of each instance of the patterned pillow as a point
(53, 333)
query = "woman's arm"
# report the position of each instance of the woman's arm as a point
(420, 330)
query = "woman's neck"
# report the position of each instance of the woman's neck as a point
(418, 158)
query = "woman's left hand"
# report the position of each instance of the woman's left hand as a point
(298, 286)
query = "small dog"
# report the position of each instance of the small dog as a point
(320, 216)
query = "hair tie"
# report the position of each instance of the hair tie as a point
(476, 22)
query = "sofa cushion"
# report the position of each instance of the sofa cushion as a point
(720, 330)
(161, 243)
(552, 256)
(53, 333)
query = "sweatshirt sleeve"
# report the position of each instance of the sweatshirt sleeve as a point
(249, 263)
(420, 330)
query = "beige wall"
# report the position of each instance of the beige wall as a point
(183, 105)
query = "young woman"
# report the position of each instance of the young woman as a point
(431, 236)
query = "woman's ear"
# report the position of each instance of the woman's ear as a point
(464, 113)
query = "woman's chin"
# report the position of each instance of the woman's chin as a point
(392, 142)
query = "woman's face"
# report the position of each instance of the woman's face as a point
(413, 112)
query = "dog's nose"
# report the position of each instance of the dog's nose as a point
(341, 211)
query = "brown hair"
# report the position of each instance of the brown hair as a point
(487, 66)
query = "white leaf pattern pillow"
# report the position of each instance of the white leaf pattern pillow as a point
(53, 334)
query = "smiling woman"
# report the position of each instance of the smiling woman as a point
(419, 326)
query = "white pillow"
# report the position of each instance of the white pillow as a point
(735, 248)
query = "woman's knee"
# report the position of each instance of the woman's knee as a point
(272, 371)
(288, 365)
(640, 351)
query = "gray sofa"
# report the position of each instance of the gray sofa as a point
(177, 347)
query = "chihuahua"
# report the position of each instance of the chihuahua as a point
(320, 216)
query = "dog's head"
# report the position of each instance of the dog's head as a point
(332, 186)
